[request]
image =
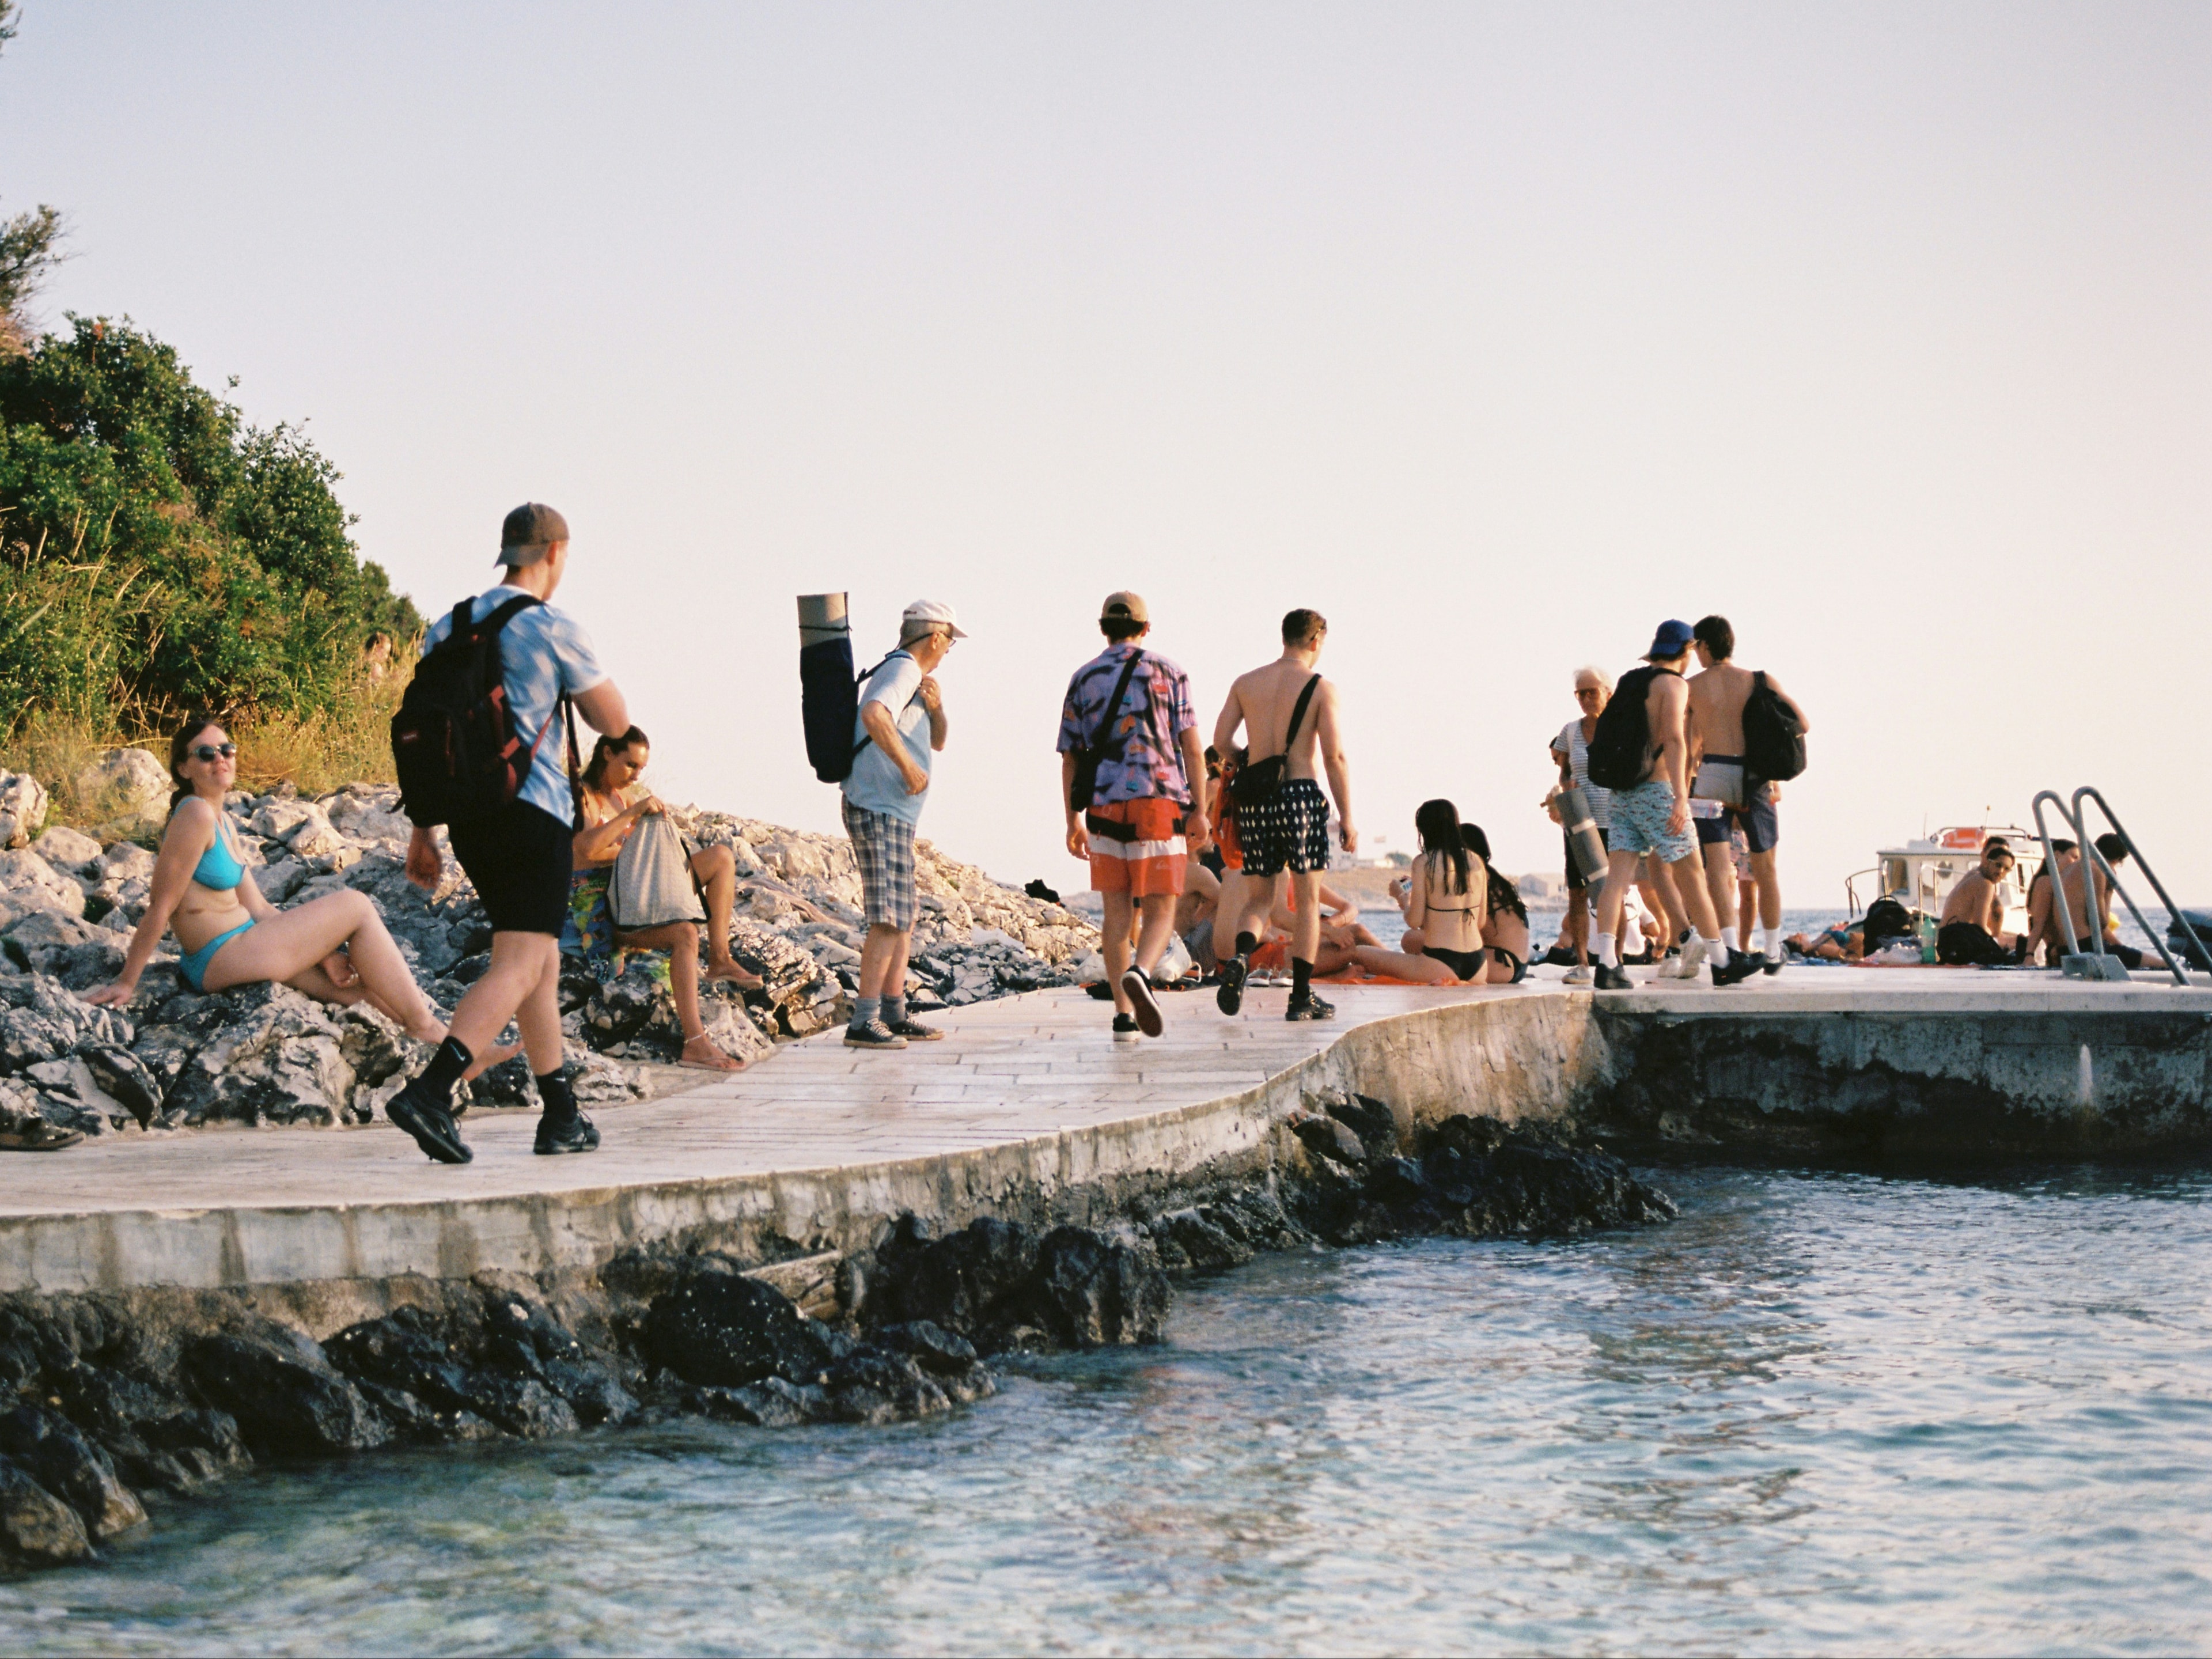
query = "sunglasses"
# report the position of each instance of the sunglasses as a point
(208, 751)
(1586, 691)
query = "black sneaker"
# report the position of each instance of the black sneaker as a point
(1230, 996)
(1125, 1029)
(1137, 985)
(915, 1031)
(1611, 978)
(578, 1134)
(1772, 965)
(1310, 1006)
(873, 1035)
(1741, 965)
(426, 1119)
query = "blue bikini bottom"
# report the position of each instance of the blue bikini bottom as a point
(194, 967)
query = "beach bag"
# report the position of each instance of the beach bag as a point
(1885, 918)
(1619, 750)
(1773, 736)
(453, 742)
(652, 881)
(1087, 758)
(1259, 782)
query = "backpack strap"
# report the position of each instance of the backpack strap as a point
(1299, 714)
(502, 614)
(865, 741)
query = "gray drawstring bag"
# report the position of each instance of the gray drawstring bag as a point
(652, 884)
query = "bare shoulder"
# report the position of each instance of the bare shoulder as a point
(194, 820)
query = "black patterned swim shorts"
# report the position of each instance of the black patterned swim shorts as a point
(1290, 831)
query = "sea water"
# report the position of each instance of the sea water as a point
(1820, 1413)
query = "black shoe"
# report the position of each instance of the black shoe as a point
(1137, 985)
(1310, 1006)
(1125, 1029)
(1772, 965)
(1229, 997)
(1611, 978)
(874, 1034)
(578, 1134)
(915, 1031)
(1741, 965)
(430, 1124)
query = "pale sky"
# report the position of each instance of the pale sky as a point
(1496, 333)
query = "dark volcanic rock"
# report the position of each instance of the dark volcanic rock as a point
(58, 1457)
(531, 1377)
(716, 1328)
(998, 1285)
(1327, 1139)
(288, 1400)
(1095, 1292)
(1201, 1239)
(1369, 1119)
(36, 1526)
(933, 1348)
(770, 1403)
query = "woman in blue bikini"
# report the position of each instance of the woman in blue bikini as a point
(333, 948)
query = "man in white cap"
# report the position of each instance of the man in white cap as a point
(901, 728)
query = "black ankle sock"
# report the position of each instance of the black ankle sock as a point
(553, 1093)
(1301, 979)
(446, 1067)
(1247, 943)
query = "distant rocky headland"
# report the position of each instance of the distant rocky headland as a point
(267, 1055)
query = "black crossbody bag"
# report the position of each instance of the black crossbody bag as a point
(1262, 780)
(1087, 758)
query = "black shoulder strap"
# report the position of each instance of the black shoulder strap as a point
(1299, 714)
(1113, 708)
(901, 651)
(505, 612)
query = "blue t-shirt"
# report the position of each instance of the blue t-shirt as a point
(542, 654)
(874, 784)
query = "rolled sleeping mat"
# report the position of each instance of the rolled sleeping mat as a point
(821, 619)
(1591, 855)
(828, 702)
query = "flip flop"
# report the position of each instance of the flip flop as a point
(727, 1066)
(39, 1136)
(742, 979)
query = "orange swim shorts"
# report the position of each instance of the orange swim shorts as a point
(1137, 848)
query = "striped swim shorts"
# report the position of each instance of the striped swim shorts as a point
(1137, 847)
(883, 850)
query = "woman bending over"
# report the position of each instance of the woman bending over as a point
(614, 802)
(334, 948)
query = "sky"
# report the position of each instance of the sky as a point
(1497, 333)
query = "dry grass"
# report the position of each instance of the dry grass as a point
(317, 754)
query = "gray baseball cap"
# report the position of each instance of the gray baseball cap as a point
(528, 532)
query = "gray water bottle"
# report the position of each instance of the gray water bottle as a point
(1588, 847)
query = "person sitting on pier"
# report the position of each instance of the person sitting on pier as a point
(335, 948)
(1968, 934)
(2114, 848)
(1446, 901)
(2045, 945)
(613, 801)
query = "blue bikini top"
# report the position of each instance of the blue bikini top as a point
(219, 867)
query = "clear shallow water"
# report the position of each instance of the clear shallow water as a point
(1833, 1414)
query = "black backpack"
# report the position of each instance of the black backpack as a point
(453, 741)
(1620, 748)
(1773, 736)
(1885, 920)
(830, 706)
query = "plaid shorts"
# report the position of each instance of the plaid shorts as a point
(883, 849)
(1288, 830)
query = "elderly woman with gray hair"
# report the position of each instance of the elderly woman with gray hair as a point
(1570, 754)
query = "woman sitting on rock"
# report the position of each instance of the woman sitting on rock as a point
(334, 948)
(614, 800)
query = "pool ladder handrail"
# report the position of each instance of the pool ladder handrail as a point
(2076, 964)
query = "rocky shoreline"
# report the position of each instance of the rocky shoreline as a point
(267, 1056)
(115, 1399)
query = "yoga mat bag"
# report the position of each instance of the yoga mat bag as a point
(1591, 856)
(651, 883)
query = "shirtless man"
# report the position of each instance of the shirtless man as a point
(1725, 797)
(2114, 849)
(1970, 934)
(1654, 817)
(1290, 829)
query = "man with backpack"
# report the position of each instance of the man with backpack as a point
(901, 728)
(477, 751)
(1732, 786)
(1640, 751)
(1292, 724)
(1128, 751)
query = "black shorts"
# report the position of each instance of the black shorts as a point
(519, 858)
(1575, 881)
(1968, 944)
(1468, 964)
(1288, 830)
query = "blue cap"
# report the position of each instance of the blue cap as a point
(1672, 640)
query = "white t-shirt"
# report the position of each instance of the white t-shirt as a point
(1570, 742)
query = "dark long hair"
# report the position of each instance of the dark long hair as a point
(1438, 825)
(181, 745)
(595, 770)
(1503, 895)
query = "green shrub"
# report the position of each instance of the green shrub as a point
(157, 553)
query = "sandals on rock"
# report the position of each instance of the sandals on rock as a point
(39, 1136)
(721, 1063)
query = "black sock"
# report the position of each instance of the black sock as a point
(1300, 979)
(553, 1092)
(445, 1068)
(1247, 943)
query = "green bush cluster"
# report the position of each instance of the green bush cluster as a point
(157, 553)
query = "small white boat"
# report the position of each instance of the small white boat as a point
(1921, 874)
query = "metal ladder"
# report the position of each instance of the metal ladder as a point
(2093, 963)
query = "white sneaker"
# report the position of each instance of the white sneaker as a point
(1578, 977)
(1693, 960)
